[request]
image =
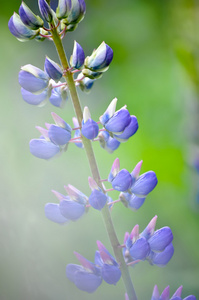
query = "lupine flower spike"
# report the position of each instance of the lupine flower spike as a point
(54, 83)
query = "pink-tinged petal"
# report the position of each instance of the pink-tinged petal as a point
(58, 195)
(149, 230)
(93, 185)
(134, 233)
(165, 294)
(178, 292)
(136, 171)
(155, 295)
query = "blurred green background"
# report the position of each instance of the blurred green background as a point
(154, 72)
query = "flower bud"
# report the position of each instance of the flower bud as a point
(109, 267)
(19, 30)
(107, 142)
(139, 249)
(100, 59)
(86, 277)
(97, 199)
(29, 18)
(77, 12)
(53, 213)
(63, 9)
(59, 96)
(166, 292)
(132, 201)
(160, 239)
(59, 134)
(162, 258)
(123, 181)
(45, 10)
(70, 209)
(129, 130)
(85, 84)
(52, 69)
(115, 122)
(144, 184)
(78, 56)
(90, 128)
(33, 79)
(33, 99)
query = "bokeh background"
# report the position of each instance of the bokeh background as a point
(155, 72)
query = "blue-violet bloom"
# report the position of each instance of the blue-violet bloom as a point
(29, 18)
(33, 79)
(100, 59)
(86, 277)
(78, 56)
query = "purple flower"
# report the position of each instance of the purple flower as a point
(85, 83)
(166, 292)
(33, 99)
(160, 239)
(97, 199)
(100, 59)
(90, 128)
(86, 277)
(70, 208)
(63, 9)
(52, 212)
(129, 130)
(19, 30)
(52, 69)
(58, 96)
(109, 267)
(137, 247)
(120, 180)
(59, 134)
(77, 12)
(45, 10)
(115, 121)
(107, 142)
(144, 184)
(161, 259)
(43, 148)
(78, 56)
(33, 79)
(29, 18)
(131, 201)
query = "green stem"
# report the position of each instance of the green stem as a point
(93, 165)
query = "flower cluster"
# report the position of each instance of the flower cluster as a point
(53, 140)
(119, 127)
(166, 292)
(88, 276)
(154, 246)
(134, 188)
(70, 207)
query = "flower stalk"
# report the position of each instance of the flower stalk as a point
(93, 165)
